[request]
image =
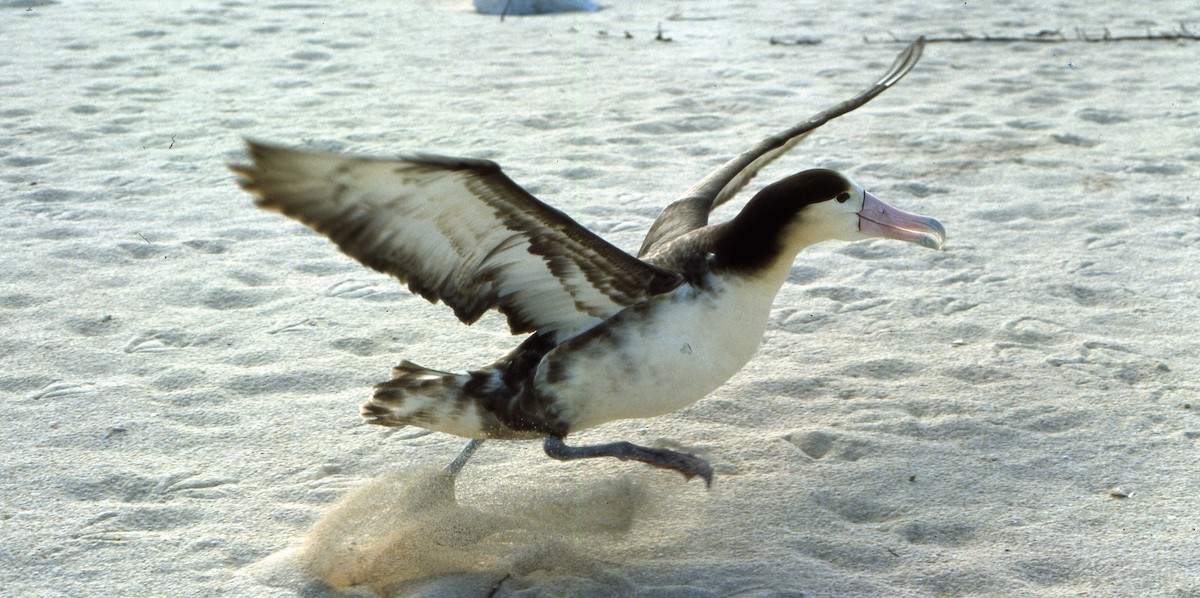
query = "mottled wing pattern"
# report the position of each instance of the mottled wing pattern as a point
(457, 231)
(691, 210)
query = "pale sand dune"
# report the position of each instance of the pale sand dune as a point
(181, 372)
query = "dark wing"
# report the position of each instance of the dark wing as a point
(691, 210)
(458, 231)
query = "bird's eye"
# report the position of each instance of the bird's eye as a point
(843, 197)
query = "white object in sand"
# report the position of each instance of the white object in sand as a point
(533, 7)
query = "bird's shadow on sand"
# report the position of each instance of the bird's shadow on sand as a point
(407, 532)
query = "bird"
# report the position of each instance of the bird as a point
(609, 335)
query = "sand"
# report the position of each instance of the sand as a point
(1015, 415)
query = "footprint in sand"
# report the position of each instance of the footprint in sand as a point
(21, 301)
(362, 347)
(1074, 140)
(178, 379)
(869, 250)
(144, 250)
(938, 305)
(62, 390)
(937, 533)
(1103, 117)
(847, 299)
(1092, 296)
(133, 524)
(209, 246)
(800, 321)
(976, 374)
(819, 444)
(224, 298)
(841, 294)
(851, 556)
(883, 369)
(351, 289)
(1048, 420)
(94, 326)
(1112, 361)
(158, 340)
(1032, 330)
(128, 487)
(305, 325)
(853, 509)
(61, 234)
(310, 381)
(27, 161)
(1049, 572)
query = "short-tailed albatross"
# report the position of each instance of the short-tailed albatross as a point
(611, 336)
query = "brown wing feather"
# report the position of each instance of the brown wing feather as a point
(457, 231)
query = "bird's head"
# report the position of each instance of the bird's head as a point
(813, 206)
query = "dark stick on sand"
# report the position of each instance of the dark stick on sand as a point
(1047, 36)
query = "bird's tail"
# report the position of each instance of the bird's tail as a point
(426, 398)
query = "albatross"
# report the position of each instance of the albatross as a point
(610, 336)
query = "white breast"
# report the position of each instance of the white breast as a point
(661, 356)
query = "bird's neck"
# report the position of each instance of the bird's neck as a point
(759, 248)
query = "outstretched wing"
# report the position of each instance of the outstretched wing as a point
(457, 231)
(691, 210)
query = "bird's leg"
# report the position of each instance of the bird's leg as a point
(438, 489)
(457, 464)
(688, 465)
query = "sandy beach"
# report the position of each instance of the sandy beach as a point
(1015, 415)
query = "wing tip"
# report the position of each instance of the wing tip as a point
(248, 174)
(269, 164)
(245, 174)
(905, 61)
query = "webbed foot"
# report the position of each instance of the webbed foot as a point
(688, 465)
